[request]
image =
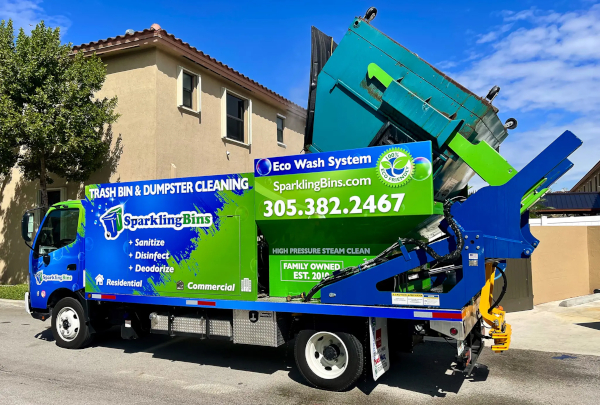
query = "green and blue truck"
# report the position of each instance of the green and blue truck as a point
(363, 245)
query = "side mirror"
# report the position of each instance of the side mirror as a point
(27, 226)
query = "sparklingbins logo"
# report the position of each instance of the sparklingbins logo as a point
(115, 221)
(112, 221)
(40, 277)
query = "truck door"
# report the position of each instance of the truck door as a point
(55, 260)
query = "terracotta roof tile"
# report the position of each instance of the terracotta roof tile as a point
(156, 31)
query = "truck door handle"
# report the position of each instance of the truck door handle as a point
(72, 267)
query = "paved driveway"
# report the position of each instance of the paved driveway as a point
(156, 370)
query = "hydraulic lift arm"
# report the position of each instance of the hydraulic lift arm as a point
(395, 97)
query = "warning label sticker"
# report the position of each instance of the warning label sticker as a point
(430, 300)
(446, 188)
(416, 299)
(473, 259)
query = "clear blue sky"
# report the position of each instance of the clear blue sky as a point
(545, 55)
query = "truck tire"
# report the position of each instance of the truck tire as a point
(69, 327)
(329, 360)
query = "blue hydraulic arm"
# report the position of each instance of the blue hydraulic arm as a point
(491, 226)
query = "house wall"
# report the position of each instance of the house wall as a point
(561, 263)
(131, 76)
(593, 237)
(591, 183)
(192, 141)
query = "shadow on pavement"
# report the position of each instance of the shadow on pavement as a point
(592, 325)
(427, 370)
(45, 335)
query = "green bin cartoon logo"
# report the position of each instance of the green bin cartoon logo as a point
(112, 221)
(39, 277)
(395, 167)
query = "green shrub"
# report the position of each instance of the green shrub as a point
(13, 292)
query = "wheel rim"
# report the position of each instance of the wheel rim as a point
(326, 355)
(67, 324)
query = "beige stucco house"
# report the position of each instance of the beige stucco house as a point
(590, 182)
(183, 114)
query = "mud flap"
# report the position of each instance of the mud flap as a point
(379, 348)
(468, 350)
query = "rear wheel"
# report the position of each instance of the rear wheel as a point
(69, 327)
(329, 360)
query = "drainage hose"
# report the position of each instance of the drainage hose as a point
(497, 302)
(386, 254)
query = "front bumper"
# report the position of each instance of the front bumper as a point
(27, 303)
(42, 316)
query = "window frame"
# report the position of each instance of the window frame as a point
(63, 194)
(190, 90)
(196, 89)
(63, 228)
(247, 122)
(283, 119)
(228, 116)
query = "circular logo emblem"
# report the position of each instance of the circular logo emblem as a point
(422, 169)
(263, 167)
(395, 167)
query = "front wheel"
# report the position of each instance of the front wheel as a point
(69, 328)
(328, 360)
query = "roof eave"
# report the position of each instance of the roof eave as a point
(566, 210)
(155, 37)
(585, 178)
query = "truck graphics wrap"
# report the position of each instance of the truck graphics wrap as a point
(192, 237)
(362, 199)
(378, 181)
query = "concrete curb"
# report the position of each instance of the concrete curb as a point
(12, 303)
(571, 302)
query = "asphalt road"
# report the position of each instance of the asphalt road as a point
(157, 370)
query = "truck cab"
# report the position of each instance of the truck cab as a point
(56, 261)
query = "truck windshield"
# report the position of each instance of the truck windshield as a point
(59, 229)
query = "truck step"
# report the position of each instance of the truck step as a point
(191, 325)
(260, 328)
(501, 339)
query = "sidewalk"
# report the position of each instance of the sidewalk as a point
(12, 303)
(551, 328)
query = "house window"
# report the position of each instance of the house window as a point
(55, 195)
(188, 90)
(235, 118)
(236, 121)
(280, 127)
